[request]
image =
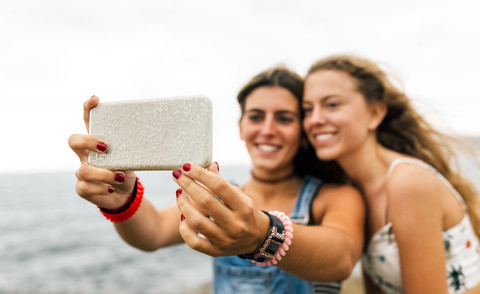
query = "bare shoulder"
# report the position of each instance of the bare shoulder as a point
(341, 208)
(339, 193)
(408, 180)
(341, 200)
(412, 190)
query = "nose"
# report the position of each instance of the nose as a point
(268, 127)
(317, 116)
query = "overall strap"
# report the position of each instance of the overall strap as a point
(302, 208)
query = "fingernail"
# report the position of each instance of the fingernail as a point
(177, 173)
(101, 146)
(120, 177)
(111, 189)
(218, 167)
(178, 192)
(182, 218)
(187, 167)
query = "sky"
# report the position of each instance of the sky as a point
(55, 54)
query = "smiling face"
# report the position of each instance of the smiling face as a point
(337, 118)
(270, 127)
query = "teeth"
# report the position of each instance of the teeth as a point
(267, 148)
(323, 137)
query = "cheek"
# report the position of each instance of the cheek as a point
(243, 128)
(306, 124)
(353, 128)
(344, 119)
(294, 137)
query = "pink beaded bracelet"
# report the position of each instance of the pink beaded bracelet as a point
(276, 242)
(288, 233)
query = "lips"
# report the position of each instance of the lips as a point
(323, 137)
(268, 147)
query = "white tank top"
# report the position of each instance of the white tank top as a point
(462, 250)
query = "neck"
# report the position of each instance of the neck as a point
(273, 181)
(368, 166)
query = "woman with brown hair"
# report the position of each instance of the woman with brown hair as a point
(327, 216)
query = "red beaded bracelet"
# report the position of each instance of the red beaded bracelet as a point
(128, 209)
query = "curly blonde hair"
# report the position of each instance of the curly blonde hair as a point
(403, 129)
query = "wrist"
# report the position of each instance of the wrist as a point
(126, 204)
(129, 208)
(262, 232)
(275, 243)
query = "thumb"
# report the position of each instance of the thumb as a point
(214, 167)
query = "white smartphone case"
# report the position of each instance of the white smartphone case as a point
(153, 134)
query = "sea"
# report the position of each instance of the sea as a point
(53, 241)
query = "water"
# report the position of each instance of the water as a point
(52, 241)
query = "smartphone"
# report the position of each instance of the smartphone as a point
(153, 134)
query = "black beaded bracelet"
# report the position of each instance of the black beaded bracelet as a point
(269, 246)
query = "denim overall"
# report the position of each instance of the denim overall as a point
(240, 276)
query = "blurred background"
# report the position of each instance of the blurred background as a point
(56, 54)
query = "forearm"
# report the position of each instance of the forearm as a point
(321, 254)
(150, 229)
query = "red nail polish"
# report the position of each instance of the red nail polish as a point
(182, 218)
(187, 167)
(178, 192)
(101, 146)
(120, 177)
(111, 189)
(177, 173)
(218, 166)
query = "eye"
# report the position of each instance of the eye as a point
(332, 104)
(307, 110)
(255, 117)
(283, 119)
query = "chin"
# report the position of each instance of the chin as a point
(325, 154)
(270, 165)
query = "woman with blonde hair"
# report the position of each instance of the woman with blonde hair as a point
(423, 220)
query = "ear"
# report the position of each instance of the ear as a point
(378, 111)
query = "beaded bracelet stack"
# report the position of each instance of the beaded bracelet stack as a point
(129, 208)
(276, 242)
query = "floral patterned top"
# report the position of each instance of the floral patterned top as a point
(381, 259)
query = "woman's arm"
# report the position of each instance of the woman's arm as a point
(148, 229)
(330, 250)
(321, 253)
(416, 212)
